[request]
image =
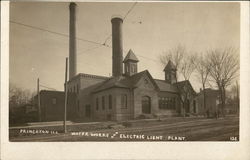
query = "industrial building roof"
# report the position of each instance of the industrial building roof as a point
(124, 81)
(166, 87)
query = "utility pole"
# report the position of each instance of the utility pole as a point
(38, 101)
(66, 96)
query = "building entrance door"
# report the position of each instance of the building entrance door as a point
(146, 105)
(87, 111)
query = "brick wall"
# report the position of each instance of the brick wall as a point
(85, 84)
(52, 106)
(210, 103)
(145, 88)
(117, 112)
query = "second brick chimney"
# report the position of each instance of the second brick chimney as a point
(117, 46)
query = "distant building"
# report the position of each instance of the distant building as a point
(52, 105)
(231, 108)
(232, 105)
(212, 102)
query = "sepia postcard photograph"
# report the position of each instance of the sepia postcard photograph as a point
(135, 71)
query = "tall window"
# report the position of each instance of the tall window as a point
(124, 101)
(53, 100)
(78, 105)
(126, 68)
(77, 89)
(103, 102)
(133, 68)
(110, 101)
(97, 103)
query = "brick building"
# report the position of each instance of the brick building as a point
(127, 94)
(52, 105)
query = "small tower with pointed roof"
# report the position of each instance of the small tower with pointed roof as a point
(130, 63)
(170, 72)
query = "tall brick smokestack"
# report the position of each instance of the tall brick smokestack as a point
(117, 49)
(72, 40)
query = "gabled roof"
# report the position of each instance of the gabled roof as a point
(135, 78)
(112, 82)
(125, 82)
(130, 56)
(166, 87)
(181, 84)
(170, 66)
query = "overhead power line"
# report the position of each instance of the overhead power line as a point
(85, 40)
(53, 32)
(65, 35)
(147, 58)
(34, 27)
(105, 42)
(129, 11)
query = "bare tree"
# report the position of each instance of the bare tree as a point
(202, 68)
(18, 96)
(187, 66)
(184, 65)
(224, 67)
(176, 55)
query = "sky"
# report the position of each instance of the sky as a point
(150, 29)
